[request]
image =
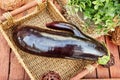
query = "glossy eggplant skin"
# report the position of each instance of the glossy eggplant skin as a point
(61, 25)
(49, 43)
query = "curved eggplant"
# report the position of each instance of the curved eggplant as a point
(60, 25)
(55, 44)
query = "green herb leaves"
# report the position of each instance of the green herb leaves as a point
(101, 12)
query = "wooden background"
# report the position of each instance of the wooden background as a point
(10, 69)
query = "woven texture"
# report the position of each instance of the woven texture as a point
(36, 66)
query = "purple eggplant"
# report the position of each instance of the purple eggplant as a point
(60, 25)
(55, 44)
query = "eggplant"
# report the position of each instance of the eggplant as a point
(55, 44)
(60, 25)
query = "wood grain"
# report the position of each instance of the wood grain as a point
(114, 70)
(119, 51)
(26, 77)
(4, 56)
(16, 71)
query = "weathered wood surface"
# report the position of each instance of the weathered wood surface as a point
(112, 72)
(10, 69)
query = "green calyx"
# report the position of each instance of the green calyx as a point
(104, 60)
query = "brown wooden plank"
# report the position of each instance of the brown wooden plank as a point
(114, 70)
(92, 75)
(119, 51)
(4, 56)
(26, 77)
(101, 71)
(16, 70)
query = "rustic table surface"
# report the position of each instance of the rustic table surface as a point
(10, 69)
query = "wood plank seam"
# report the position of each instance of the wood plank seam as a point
(119, 51)
(96, 73)
(9, 63)
(109, 72)
(109, 67)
